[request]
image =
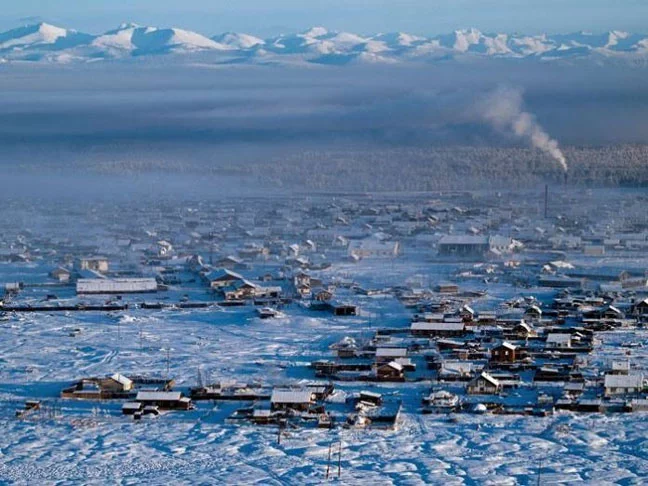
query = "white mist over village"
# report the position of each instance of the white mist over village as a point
(238, 249)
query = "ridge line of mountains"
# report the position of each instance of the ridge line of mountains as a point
(48, 43)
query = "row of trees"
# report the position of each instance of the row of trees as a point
(420, 169)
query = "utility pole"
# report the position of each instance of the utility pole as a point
(340, 460)
(328, 464)
(279, 432)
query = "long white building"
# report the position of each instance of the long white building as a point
(116, 286)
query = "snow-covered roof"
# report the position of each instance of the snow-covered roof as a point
(533, 308)
(620, 365)
(158, 396)
(489, 378)
(524, 325)
(121, 379)
(394, 365)
(463, 240)
(131, 406)
(391, 352)
(555, 337)
(461, 367)
(117, 285)
(291, 396)
(623, 381)
(437, 326)
(223, 274)
(508, 345)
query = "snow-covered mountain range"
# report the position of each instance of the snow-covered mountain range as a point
(48, 43)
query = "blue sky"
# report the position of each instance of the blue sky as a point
(268, 17)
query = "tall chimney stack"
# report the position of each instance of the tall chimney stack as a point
(546, 201)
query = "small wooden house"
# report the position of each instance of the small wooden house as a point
(300, 399)
(438, 329)
(61, 274)
(219, 279)
(523, 331)
(504, 353)
(168, 400)
(533, 313)
(484, 384)
(391, 371)
(640, 309)
(466, 313)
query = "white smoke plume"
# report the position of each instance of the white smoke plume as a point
(503, 109)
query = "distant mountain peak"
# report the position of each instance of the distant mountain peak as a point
(128, 25)
(316, 32)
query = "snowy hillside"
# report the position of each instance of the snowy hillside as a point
(44, 42)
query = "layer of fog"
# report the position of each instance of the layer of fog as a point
(151, 115)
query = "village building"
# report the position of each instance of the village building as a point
(558, 341)
(390, 371)
(371, 398)
(533, 313)
(620, 367)
(321, 295)
(116, 382)
(230, 263)
(484, 384)
(440, 329)
(456, 370)
(447, 288)
(283, 399)
(61, 274)
(523, 331)
(373, 248)
(165, 400)
(504, 353)
(96, 264)
(640, 309)
(389, 354)
(467, 313)
(116, 286)
(244, 289)
(218, 279)
(342, 309)
(471, 246)
(623, 384)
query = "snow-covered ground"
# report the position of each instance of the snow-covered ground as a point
(91, 442)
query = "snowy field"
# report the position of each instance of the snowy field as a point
(91, 442)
